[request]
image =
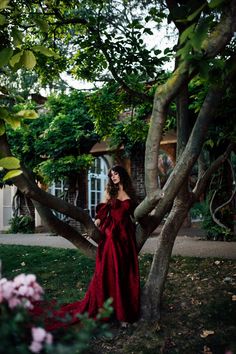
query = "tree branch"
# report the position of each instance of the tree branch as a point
(219, 38)
(30, 189)
(65, 230)
(204, 179)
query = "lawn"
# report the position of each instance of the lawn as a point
(199, 304)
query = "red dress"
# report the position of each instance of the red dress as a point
(116, 273)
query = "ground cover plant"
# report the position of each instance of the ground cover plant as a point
(199, 304)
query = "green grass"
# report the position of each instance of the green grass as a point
(198, 297)
(64, 274)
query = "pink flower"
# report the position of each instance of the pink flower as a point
(3, 281)
(35, 347)
(29, 279)
(38, 334)
(23, 287)
(8, 289)
(13, 302)
(40, 337)
(49, 338)
(19, 279)
(23, 290)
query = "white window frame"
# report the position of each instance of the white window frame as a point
(4, 224)
(97, 176)
(52, 189)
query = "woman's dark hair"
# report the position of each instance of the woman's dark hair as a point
(125, 180)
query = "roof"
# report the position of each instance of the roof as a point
(104, 148)
(169, 138)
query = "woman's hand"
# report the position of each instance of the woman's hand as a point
(97, 222)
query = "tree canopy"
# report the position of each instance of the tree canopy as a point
(107, 40)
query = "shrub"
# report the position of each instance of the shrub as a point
(214, 231)
(22, 224)
(18, 333)
(22, 333)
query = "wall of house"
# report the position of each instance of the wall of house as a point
(137, 174)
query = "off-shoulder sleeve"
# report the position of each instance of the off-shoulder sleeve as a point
(102, 210)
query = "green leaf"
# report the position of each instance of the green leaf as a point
(148, 30)
(210, 143)
(4, 4)
(17, 37)
(195, 13)
(2, 19)
(27, 113)
(10, 163)
(199, 35)
(187, 33)
(45, 51)
(3, 113)
(16, 58)
(5, 55)
(215, 3)
(14, 122)
(28, 59)
(2, 127)
(11, 174)
(41, 23)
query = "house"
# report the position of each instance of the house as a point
(93, 184)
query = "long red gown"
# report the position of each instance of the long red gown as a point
(116, 273)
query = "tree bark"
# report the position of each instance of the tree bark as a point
(154, 287)
(65, 230)
(30, 189)
(189, 149)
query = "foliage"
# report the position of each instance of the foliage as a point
(54, 170)
(18, 50)
(56, 145)
(106, 104)
(197, 211)
(21, 224)
(214, 231)
(221, 131)
(11, 164)
(123, 119)
(21, 333)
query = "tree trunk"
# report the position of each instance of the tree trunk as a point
(65, 230)
(154, 287)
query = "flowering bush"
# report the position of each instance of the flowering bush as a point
(18, 332)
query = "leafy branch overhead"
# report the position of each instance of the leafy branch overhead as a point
(57, 144)
(11, 164)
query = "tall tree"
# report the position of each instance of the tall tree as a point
(109, 37)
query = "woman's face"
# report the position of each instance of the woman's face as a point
(115, 177)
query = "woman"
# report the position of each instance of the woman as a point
(116, 273)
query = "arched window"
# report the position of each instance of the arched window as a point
(97, 179)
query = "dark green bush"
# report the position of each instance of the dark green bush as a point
(214, 231)
(21, 224)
